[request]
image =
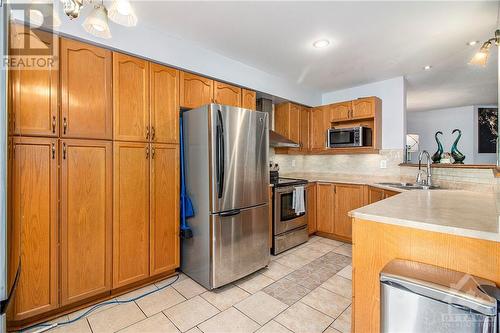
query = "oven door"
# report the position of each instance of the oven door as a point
(347, 137)
(285, 218)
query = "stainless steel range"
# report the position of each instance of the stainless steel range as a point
(289, 227)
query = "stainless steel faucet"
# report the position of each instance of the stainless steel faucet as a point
(428, 172)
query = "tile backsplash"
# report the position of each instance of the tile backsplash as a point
(386, 164)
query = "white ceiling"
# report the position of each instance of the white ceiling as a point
(371, 41)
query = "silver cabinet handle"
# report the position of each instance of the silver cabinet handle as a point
(147, 152)
(65, 125)
(152, 152)
(53, 150)
(153, 132)
(64, 150)
(147, 132)
(53, 124)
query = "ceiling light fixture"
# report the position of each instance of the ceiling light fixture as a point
(428, 67)
(321, 43)
(120, 12)
(97, 22)
(481, 56)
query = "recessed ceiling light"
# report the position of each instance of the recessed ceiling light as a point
(321, 43)
(473, 42)
(428, 67)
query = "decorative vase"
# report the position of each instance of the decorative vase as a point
(436, 158)
(455, 153)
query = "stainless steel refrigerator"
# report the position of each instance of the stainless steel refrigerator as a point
(227, 179)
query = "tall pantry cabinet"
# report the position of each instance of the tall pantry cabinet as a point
(94, 161)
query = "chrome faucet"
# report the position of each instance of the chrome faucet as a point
(428, 172)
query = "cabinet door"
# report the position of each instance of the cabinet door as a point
(282, 119)
(164, 104)
(389, 193)
(340, 111)
(319, 128)
(375, 194)
(86, 94)
(248, 99)
(294, 122)
(164, 203)
(35, 230)
(130, 98)
(35, 92)
(86, 218)
(195, 90)
(347, 198)
(325, 207)
(130, 212)
(311, 208)
(304, 130)
(227, 94)
(363, 108)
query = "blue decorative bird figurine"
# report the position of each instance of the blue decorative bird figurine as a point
(458, 157)
(436, 158)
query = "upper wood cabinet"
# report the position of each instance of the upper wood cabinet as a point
(320, 123)
(363, 108)
(227, 94)
(164, 208)
(305, 129)
(347, 198)
(130, 98)
(340, 111)
(164, 85)
(311, 208)
(34, 93)
(325, 207)
(248, 99)
(86, 91)
(130, 212)
(86, 218)
(287, 120)
(195, 90)
(34, 234)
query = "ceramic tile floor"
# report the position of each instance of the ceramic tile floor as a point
(306, 289)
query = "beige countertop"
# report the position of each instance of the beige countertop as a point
(456, 212)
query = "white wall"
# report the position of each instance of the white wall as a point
(393, 95)
(427, 123)
(170, 50)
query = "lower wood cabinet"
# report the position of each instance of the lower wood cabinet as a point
(325, 207)
(34, 233)
(375, 194)
(311, 208)
(86, 218)
(146, 211)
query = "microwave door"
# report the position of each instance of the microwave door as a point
(342, 138)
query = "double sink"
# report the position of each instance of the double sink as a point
(408, 186)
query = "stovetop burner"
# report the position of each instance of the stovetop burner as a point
(282, 182)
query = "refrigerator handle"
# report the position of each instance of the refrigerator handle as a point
(230, 213)
(220, 152)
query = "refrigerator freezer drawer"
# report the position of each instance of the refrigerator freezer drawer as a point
(239, 244)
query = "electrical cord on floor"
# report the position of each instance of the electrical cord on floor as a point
(46, 327)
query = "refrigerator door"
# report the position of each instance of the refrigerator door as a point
(240, 244)
(238, 158)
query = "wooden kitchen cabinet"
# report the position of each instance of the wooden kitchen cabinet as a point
(375, 194)
(227, 94)
(34, 234)
(34, 93)
(130, 98)
(305, 129)
(320, 123)
(367, 107)
(287, 120)
(248, 99)
(86, 218)
(325, 207)
(340, 111)
(347, 198)
(164, 103)
(130, 212)
(311, 208)
(164, 208)
(86, 91)
(195, 90)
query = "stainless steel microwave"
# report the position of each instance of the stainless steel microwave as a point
(349, 137)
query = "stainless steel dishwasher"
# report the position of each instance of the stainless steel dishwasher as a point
(422, 298)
